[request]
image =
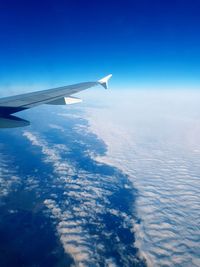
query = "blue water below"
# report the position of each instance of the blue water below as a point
(28, 235)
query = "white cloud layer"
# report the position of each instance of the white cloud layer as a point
(153, 136)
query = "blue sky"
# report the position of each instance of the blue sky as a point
(143, 43)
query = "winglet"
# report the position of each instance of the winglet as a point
(104, 81)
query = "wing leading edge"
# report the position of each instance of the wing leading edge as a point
(55, 96)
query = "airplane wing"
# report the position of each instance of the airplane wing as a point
(55, 96)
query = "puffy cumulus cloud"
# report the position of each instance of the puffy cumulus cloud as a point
(83, 210)
(153, 136)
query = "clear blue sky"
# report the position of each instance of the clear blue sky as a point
(139, 41)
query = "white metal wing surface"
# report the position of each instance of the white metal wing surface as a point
(55, 96)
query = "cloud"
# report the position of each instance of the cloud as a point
(154, 139)
(51, 154)
(80, 208)
(8, 178)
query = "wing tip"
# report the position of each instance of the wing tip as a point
(104, 81)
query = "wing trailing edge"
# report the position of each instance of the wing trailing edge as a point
(65, 101)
